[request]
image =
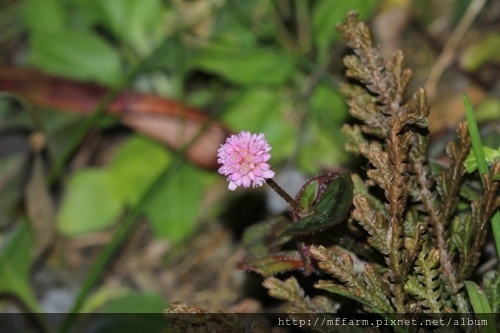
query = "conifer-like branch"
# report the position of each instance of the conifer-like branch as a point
(424, 285)
(368, 286)
(429, 246)
(289, 290)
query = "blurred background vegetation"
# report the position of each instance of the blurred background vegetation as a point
(86, 183)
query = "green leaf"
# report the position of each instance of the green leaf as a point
(331, 209)
(136, 303)
(15, 262)
(327, 13)
(244, 65)
(44, 16)
(135, 22)
(479, 304)
(329, 106)
(232, 24)
(89, 203)
(320, 147)
(100, 297)
(132, 313)
(136, 164)
(477, 298)
(488, 110)
(480, 51)
(173, 213)
(261, 109)
(477, 146)
(490, 155)
(308, 194)
(477, 149)
(79, 55)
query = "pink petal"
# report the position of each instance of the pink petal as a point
(268, 174)
(246, 181)
(232, 186)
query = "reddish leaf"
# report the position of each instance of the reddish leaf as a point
(166, 120)
(274, 263)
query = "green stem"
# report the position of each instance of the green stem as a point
(30, 302)
(482, 165)
(80, 134)
(127, 226)
(303, 25)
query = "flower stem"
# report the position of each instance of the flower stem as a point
(281, 192)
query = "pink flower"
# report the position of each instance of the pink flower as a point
(243, 158)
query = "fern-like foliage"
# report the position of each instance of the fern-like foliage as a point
(424, 284)
(289, 290)
(429, 246)
(423, 239)
(367, 287)
(194, 319)
(492, 291)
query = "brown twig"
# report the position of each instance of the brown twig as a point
(449, 50)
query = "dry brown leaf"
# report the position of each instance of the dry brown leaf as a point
(39, 204)
(168, 121)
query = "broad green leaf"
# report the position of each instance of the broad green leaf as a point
(488, 110)
(274, 263)
(243, 65)
(480, 51)
(96, 301)
(89, 203)
(136, 164)
(135, 22)
(79, 55)
(321, 147)
(136, 303)
(308, 225)
(263, 110)
(331, 209)
(329, 106)
(323, 143)
(15, 262)
(327, 13)
(131, 313)
(85, 14)
(173, 213)
(336, 200)
(44, 16)
(231, 29)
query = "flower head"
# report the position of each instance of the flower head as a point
(243, 158)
